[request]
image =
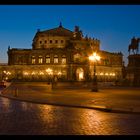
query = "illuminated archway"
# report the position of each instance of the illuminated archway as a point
(80, 74)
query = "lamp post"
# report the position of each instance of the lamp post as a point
(94, 57)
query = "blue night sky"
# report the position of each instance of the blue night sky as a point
(113, 25)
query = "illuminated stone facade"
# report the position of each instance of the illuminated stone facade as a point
(62, 54)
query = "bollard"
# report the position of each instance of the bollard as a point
(49, 86)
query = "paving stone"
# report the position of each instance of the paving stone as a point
(35, 119)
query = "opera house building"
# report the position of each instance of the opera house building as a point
(64, 55)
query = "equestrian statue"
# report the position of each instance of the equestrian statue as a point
(134, 46)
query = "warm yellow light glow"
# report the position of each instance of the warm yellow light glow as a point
(26, 73)
(81, 76)
(113, 74)
(101, 73)
(4, 71)
(41, 73)
(49, 71)
(106, 74)
(8, 73)
(94, 57)
(91, 58)
(59, 73)
(33, 73)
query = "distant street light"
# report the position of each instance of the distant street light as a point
(94, 57)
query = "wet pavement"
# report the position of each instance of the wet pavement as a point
(39, 111)
(114, 99)
(23, 118)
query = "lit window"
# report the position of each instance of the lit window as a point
(48, 59)
(63, 59)
(40, 60)
(55, 58)
(33, 59)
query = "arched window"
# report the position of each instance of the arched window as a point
(33, 59)
(55, 59)
(40, 59)
(48, 59)
(63, 59)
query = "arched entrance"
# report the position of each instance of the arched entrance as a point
(80, 74)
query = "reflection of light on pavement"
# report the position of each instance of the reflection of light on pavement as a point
(91, 119)
(5, 104)
(24, 106)
(47, 113)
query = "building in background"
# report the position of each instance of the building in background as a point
(62, 55)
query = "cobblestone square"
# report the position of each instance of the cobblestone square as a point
(70, 112)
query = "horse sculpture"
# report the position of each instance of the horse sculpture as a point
(134, 46)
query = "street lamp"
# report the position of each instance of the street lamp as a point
(94, 57)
